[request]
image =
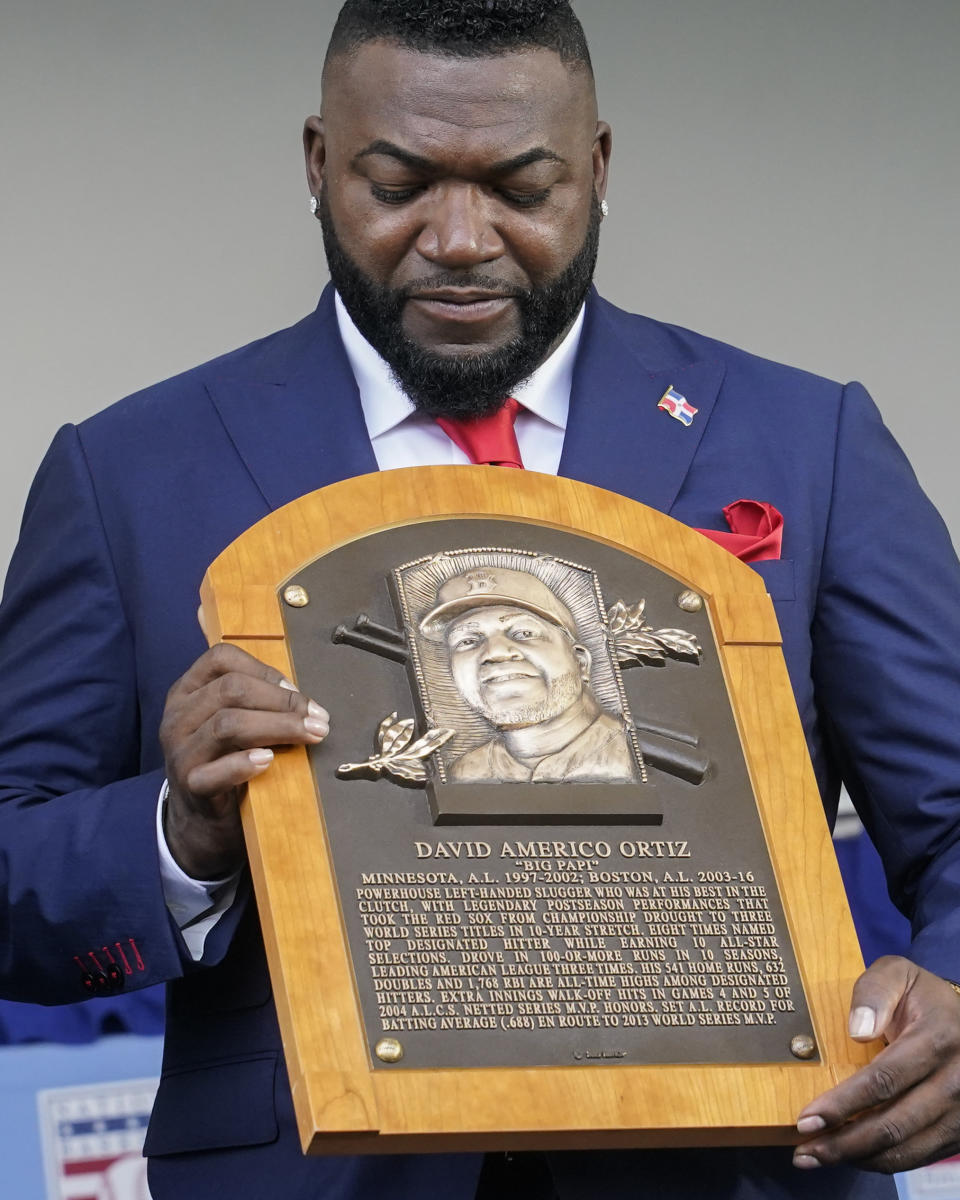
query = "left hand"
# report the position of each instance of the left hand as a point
(907, 1101)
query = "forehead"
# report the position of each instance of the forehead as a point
(500, 616)
(489, 108)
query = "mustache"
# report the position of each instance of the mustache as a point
(460, 279)
(502, 673)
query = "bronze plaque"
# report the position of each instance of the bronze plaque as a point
(544, 838)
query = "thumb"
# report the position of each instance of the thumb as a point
(877, 995)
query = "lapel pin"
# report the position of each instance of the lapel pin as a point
(677, 405)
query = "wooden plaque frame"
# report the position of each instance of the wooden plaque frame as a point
(344, 1105)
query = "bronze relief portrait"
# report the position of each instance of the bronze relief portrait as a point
(512, 655)
(515, 664)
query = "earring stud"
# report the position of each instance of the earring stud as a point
(604, 209)
(314, 205)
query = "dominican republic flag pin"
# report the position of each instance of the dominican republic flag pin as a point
(677, 406)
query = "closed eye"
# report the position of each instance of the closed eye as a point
(395, 195)
(527, 199)
(404, 195)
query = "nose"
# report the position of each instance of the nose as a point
(500, 648)
(458, 232)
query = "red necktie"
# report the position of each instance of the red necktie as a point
(490, 440)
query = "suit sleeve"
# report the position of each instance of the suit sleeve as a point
(82, 909)
(887, 674)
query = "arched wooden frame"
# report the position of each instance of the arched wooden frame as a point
(342, 1104)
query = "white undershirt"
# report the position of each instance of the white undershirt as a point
(401, 437)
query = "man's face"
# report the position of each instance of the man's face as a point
(513, 667)
(459, 199)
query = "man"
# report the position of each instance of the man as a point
(459, 170)
(515, 660)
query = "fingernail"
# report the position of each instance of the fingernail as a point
(314, 709)
(261, 758)
(811, 1125)
(315, 727)
(863, 1022)
(291, 687)
(806, 1162)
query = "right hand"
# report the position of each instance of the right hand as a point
(219, 722)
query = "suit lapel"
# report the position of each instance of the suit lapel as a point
(296, 420)
(617, 437)
(297, 424)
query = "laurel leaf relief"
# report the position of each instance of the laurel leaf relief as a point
(637, 643)
(397, 754)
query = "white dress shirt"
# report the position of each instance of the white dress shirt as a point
(401, 437)
(195, 904)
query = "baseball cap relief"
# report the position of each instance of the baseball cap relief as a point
(485, 587)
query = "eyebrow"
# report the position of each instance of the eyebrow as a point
(417, 162)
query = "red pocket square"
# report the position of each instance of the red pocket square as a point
(756, 531)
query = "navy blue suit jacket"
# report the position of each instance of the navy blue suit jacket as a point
(99, 619)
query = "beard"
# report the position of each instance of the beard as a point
(468, 385)
(564, 691)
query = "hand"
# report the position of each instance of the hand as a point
(907, 1101)
(219, 722)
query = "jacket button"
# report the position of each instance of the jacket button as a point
(115, 977)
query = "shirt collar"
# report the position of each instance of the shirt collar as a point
(546, 393)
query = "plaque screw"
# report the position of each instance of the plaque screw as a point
(296, 596)
(690, 602)
(388, 1050)
(803, 1046)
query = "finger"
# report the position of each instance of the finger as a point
(223, 659)
(921, 1127)
(229, 732)
(218, 779)
(230, 694)
(925, 1026)
(894, 1071)
(232, 729)
(236, 690)
(878, 994)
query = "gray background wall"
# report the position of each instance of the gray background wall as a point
(787, 176)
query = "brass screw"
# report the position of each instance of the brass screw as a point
(690, 602)
(803, 1046)
(296, 596)
(388, 1050)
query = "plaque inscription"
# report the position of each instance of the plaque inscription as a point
(516, 951)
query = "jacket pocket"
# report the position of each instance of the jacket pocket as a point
(778, 575)
(214, 1107)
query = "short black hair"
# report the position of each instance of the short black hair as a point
(463, 28)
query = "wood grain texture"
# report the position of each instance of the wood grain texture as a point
(745, 619)
(342, 1104)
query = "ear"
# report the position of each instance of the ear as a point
(602, 147)
(584, 659)
(314, 153)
